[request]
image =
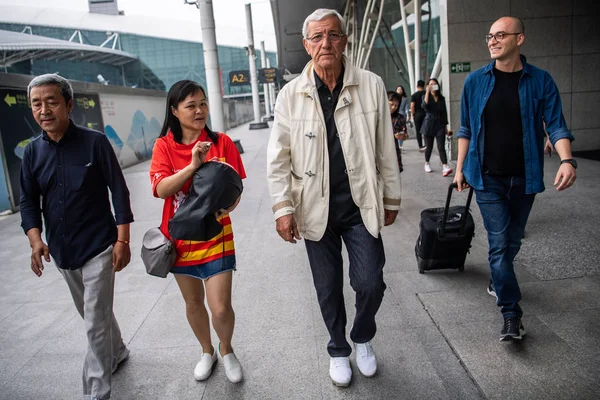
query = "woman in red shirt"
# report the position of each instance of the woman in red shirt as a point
(204, 266)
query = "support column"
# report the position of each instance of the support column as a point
(257, 124)
(437, 66)
(409, 61)
(211, 65)
(444, 75)
(271, 91)
(266, 88)
(417, 40)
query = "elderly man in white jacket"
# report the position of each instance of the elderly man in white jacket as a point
(333, 175)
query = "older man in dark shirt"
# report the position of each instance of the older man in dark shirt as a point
(65, 176)
(333, 176)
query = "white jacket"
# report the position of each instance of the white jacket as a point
(298, 159)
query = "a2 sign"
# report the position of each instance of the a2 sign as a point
(242, 77)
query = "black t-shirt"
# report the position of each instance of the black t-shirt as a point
(503, 152)
(417, 98)
(342, 210)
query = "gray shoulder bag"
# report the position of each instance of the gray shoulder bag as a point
(158, 253)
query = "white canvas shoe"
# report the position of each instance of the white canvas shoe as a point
(427, 167)
(365, 359)
(340, 371)
(205, 366)
(233, 368)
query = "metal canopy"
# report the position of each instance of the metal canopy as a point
(17, 47)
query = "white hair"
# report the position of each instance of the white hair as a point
(320, 14)
(52, 79)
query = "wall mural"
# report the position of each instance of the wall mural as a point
(132, 124)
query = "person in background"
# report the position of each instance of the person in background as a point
(398, 124)
(417, 114)
(435, 125)
(506, 109)
(403, 109)
(66, 174)
(202, 269)
(336, 181)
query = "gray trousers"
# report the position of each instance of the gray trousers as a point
(92, 289)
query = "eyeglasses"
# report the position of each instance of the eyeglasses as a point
(332, 36)
(498, 37)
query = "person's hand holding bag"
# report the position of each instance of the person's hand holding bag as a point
(199, 152)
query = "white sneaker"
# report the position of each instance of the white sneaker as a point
(233, 368)
(340, 371)
(365, 359)
(427, 167)
(205, 366)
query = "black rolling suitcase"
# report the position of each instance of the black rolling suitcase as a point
(445, 235)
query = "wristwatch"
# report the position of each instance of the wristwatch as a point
(570, 161)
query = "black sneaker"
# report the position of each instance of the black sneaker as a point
(490, 290)
(513, 329)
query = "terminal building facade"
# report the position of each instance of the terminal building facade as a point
(159, 56)
(120, 67)
(561, 37)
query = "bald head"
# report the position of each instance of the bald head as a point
(504, 41)
(515, 24)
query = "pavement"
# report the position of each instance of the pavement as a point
(438, 332)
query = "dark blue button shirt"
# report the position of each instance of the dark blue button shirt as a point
(67, 182)
(539, 102)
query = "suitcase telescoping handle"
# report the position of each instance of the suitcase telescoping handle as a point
(463, 218)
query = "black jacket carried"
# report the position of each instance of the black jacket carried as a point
(215, 185)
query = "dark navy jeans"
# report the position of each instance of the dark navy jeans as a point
(504, 208)
(367, 258)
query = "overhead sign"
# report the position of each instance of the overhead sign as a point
(85, 102)
(12, 100)
(457, 68)
(239, 78)
(267, 75)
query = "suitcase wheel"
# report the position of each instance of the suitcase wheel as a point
(421, 271)
(461, 268)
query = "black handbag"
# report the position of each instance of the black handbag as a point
(215, 185)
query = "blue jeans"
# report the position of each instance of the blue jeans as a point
(504, 208)
(367, 259)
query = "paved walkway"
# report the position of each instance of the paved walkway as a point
(438, 332)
